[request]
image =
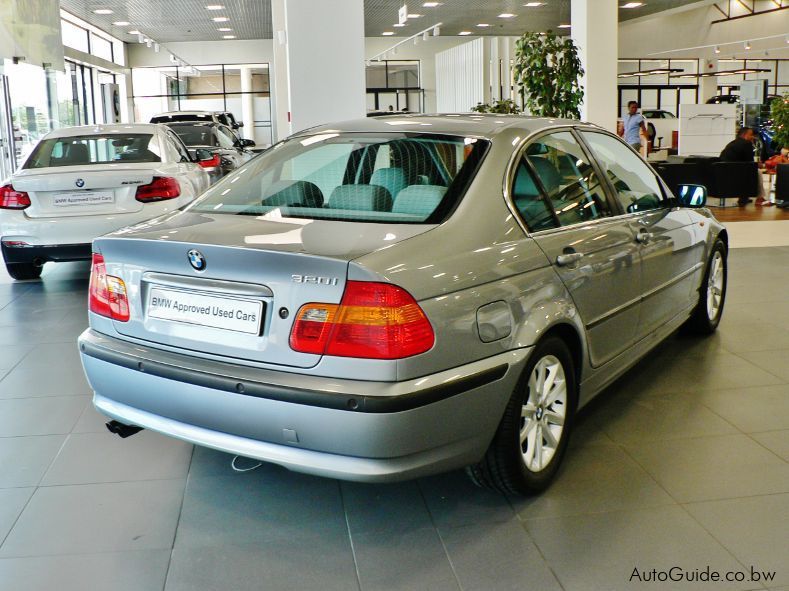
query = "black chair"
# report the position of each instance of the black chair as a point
(782, 184)
(734, 179)
(683, 174)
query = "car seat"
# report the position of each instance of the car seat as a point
(361, 198)
(419, 200)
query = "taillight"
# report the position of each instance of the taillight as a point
(10, 198)
(373, 321)
(107, 293)
(159, 189)
(215, 161)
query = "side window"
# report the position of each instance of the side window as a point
(529, 201)
(636, 186)
(181, 151)
(573, 189)
(226, 139)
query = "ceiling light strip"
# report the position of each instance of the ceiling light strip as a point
(713, 45)
(433, 29)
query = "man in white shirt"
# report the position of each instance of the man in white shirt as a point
(634, 124)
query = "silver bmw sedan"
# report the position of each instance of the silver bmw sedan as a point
(387, 298)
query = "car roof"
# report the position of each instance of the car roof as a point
(485, 125)
(193, 124)
(151, 128)
(172, 113)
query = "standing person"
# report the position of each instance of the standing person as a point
(634, 125)
(740, 149)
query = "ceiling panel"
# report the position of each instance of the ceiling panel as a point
(188, 20)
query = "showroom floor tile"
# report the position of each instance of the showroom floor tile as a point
(683, 462)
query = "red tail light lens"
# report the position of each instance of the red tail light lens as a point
(373, 321)
(160, 188)
(215, 161)
(107, 294)
(10, 198)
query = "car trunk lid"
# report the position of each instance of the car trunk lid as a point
(75, 191)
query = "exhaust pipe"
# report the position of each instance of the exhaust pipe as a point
(38, 262)
(121, 430)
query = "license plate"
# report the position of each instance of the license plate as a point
(83, 198)
(205, 310)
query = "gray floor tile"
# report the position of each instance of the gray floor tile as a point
(408, 560)
(10, 355)
(497, 556)
(594, 479)
(775, 441)
(754, 529)
(384, 507)
(57, 371)
(93, 518)
(594, 552)
(40, 416)
(104, 457)
(744, 336)
(709, 468)
(12, 501)
(24, 460)
(764, 408)
(453, 500)
(126, 571)
(210, 462)
(774, 361)
(301, 564)
(91, 421)
(642, 417)
(258, 507)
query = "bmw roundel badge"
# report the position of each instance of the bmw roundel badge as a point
(196, 259)
(80, 183)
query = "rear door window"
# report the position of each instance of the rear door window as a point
(567, 185)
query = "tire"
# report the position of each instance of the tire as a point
(707, 314)
(22, 271)
(521, 467)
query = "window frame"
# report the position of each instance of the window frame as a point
(512, 169)
(668, 197)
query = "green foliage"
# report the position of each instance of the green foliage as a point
(547, 72)
(503, 107)
(779, 111)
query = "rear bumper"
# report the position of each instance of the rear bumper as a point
(354, 430)
(43, 254)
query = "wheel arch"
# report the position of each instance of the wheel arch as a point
(569, 335)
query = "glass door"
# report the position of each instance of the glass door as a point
(7, 160)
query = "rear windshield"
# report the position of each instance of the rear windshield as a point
(197, 135)
(171, 118)
(95, 149)
(398, 177)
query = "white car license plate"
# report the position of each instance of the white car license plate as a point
(205, 310)
(83, 198)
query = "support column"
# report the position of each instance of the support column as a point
(708, 87)
(595, 30)
(319, 72)
(247, 104)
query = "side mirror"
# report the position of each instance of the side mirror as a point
(692, 195)
(202, 155)
(245, 143)
(238, 125)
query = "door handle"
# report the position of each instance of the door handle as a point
(564, 260)
(643, 236)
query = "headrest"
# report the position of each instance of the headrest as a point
(361, 198)
(419, 200)
(301, 193)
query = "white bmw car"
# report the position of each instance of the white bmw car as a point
(82, 182)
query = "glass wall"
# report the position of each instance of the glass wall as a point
(242, 89)
(393, 85)
(658, 84)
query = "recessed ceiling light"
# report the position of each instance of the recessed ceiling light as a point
(121, 23)
(214, 7)
(103, 11)
(224, 29)
(632, 5)
(483, 25)
(399, 25)
(228, 36)
(564, 26)
(506, 15)
(134, 32)
(534, 4)
(463, 33)
(432, 4)
(220, 19)
(387, 33)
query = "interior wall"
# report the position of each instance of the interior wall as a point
(257, 51)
